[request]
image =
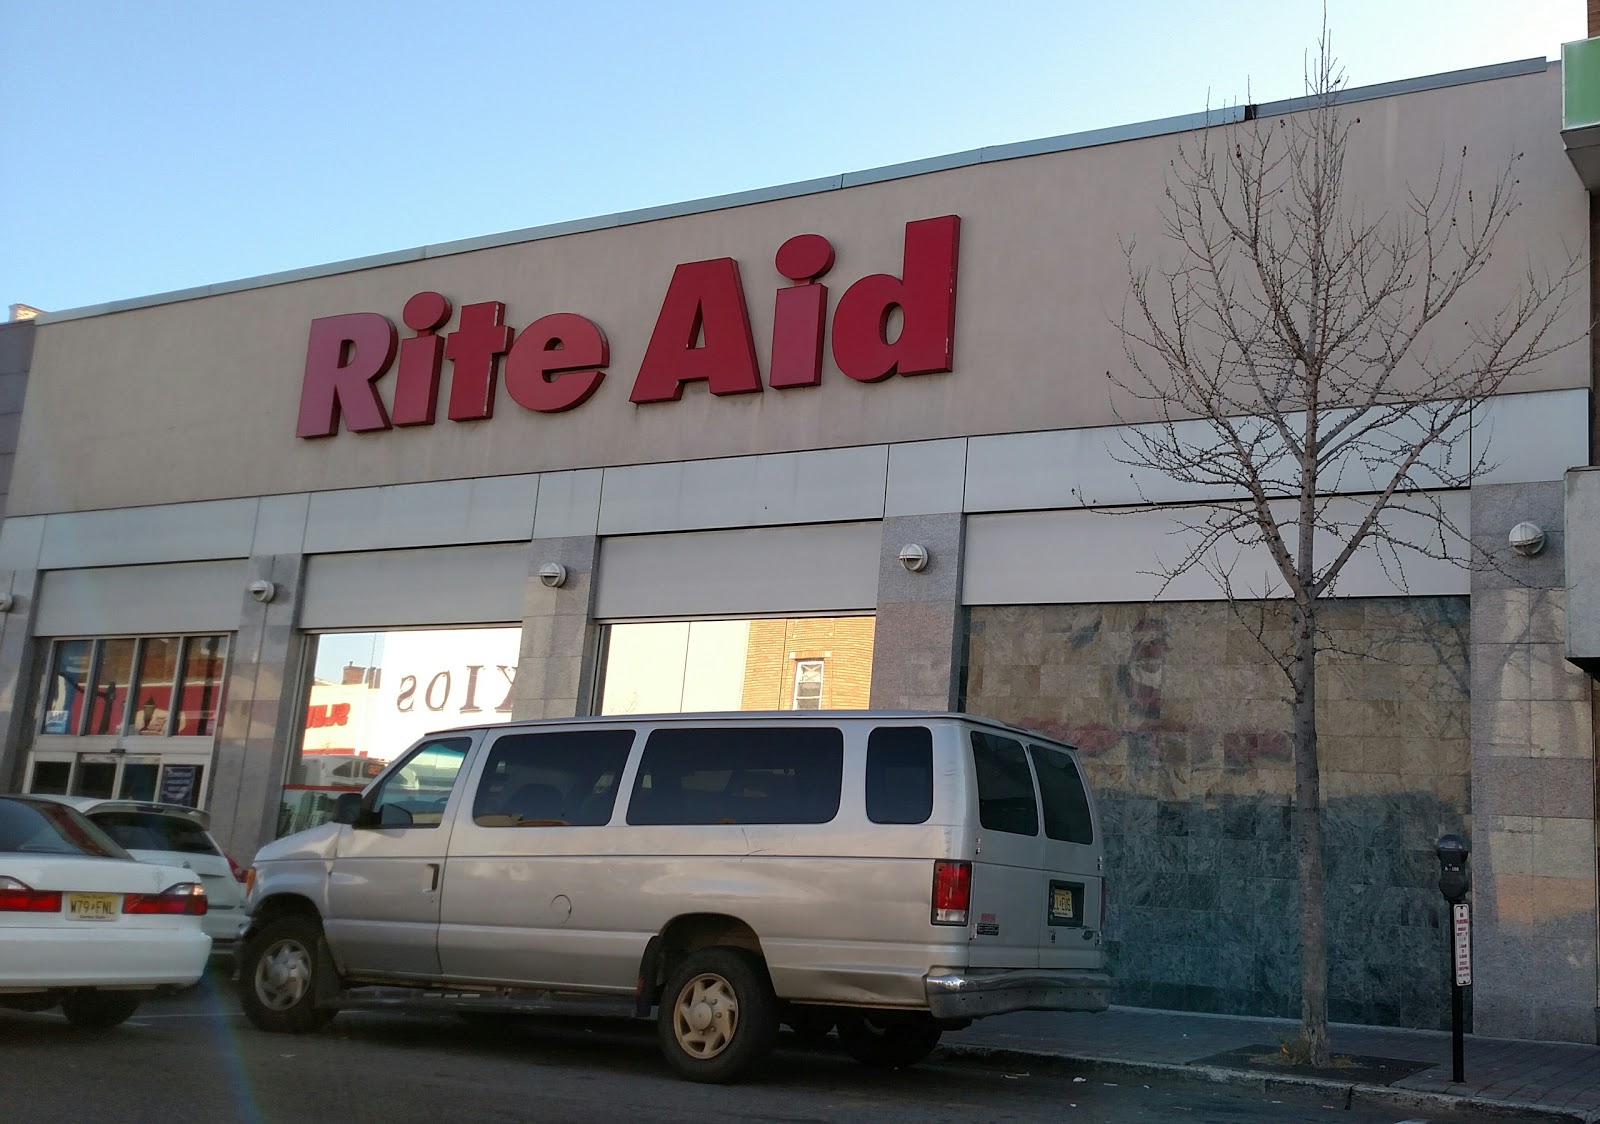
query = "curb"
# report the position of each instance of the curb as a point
(1348, 1094)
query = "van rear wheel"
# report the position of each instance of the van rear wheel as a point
(718, 1016)
(888, 1039)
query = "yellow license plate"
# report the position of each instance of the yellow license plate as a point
(92, 907)
(1061, 903)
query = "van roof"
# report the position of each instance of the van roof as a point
(757, 716)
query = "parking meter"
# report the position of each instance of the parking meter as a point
(1454, 878)
(1454, 882)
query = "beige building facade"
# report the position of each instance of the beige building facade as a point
(848, 442)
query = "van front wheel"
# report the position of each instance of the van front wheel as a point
(277, 976)
(888, 1039)
(718, 1016)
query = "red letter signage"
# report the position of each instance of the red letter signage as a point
(927, 302)
(343, 356)
(555, 363)
(416, 385)
(800, 311)
(474, 349)
(702, 332)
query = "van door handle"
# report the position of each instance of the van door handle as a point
(430, 877)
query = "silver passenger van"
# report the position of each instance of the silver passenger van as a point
(888, 875)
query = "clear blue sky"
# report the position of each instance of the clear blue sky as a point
(151, 145)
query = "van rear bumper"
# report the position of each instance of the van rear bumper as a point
(977, 992)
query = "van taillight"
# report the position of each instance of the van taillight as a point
(19, 897)
(1105, 899)
(952, 891)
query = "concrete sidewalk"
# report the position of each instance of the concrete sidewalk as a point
(1539, 1080)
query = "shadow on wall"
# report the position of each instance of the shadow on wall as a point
(1183, 724)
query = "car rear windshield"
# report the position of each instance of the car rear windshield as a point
(152, 831)
(1066, 804)
(41, 828)
(739, 775)
(1005, 786)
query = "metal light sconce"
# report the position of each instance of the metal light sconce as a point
(914, 557)
(553, 575)
(263, 591)
(1527, 539)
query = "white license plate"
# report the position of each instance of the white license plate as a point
(92, 907)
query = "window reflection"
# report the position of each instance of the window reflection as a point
(69, 673)
(113, 672)
(201, 693)
(152, 691)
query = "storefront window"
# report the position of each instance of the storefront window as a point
(373, 695)
(65, 689)
(129, 717)
(152, 689)
(112, 674)
(201, 694)
(779, 663)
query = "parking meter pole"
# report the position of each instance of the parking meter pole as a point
(1458, 1051)
(1455, 881)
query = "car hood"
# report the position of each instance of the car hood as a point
(320, 842)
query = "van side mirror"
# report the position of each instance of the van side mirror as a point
(347, 808)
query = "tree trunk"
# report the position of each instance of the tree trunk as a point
(1308, 842)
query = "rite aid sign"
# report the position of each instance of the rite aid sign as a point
(702, 334)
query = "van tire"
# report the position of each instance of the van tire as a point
(278, 976)
(888, 1039)
(99, 1010)
(731, 1027)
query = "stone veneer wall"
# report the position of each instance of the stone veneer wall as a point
(1184, 726)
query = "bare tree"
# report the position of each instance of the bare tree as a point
(1307, 368)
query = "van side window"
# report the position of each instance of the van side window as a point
(1005, 785)
(563, 778)
(1066, 804)
(739, 775)
(900, 774)
(414, 793)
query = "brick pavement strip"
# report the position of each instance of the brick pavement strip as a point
(1551, 1080)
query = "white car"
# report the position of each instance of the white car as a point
(84, 925)
(173, 835)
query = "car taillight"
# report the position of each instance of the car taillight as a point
(239, 872)
(952, 891)
(184, 898)
(19, 897)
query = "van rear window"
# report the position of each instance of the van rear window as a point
(739, 775)
(1066, 804)
(900, 774)
(1005, 785)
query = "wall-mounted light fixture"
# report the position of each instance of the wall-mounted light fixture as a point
(263, 590)
(553, 574)
(914, 557)
(1527, 539)
(7, 602)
